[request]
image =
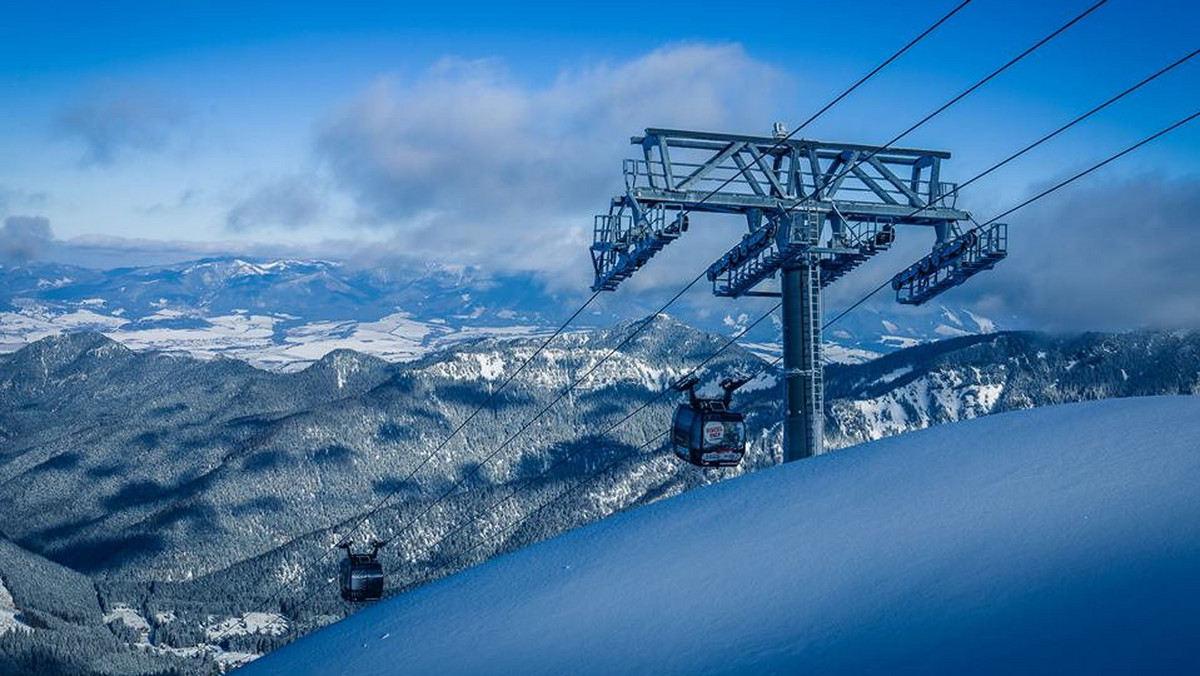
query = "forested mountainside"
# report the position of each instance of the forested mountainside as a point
(206, 490)
(975, 375)
(52, 622)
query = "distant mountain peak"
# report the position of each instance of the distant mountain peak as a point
(348, 367)
(83, 342)
(54, 356)
(346, 358)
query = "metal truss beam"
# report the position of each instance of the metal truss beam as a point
(814, 212)
(684, 172)
(791, 235)
(720, 203)
(708, 140)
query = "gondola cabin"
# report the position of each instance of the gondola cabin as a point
(361, 575)
(704, 431)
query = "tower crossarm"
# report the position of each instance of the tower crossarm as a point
(861, 189)
(951, 263)
(814, 211)
(690, 165)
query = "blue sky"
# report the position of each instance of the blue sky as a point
(479, 132)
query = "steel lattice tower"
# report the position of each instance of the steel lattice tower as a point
(814, 212)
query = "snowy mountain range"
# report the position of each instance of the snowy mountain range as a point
(285, 314)
(206, 491)
(275, 314)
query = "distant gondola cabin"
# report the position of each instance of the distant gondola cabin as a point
(707, 433)
(361, 575)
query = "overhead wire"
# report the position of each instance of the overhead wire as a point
(779, 142)
(766, 366)
(687, 287)
(605, 432)
(853, 87)
(851, 167)
(1047, 191)
(575, 382)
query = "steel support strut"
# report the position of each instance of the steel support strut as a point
(804, 422)
(815, 211)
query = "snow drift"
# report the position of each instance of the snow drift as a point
(1064, 539)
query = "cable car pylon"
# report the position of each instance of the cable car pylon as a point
(815, 211)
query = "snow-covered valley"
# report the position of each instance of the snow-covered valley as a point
(286, 314)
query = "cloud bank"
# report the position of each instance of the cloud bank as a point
(110, 123)
(468, 160)
(1108, 255)
(289, 202)
(468, 164)
(24, 238)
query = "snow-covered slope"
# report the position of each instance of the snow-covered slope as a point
(1056, 540)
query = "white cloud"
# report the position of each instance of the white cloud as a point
(1110, 255)
(288, 202)
(468, 163)
(113, 121)
(24, 238)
